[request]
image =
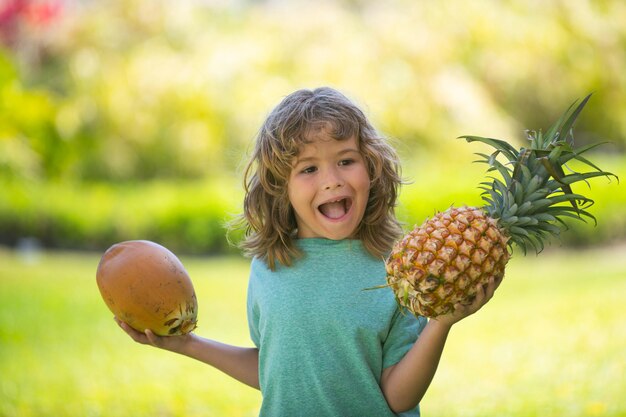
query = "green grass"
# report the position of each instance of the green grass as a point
(550, 343)
(61, 354)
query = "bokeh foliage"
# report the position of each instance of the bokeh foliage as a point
(134, 91)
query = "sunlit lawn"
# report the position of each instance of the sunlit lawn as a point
(551, 343)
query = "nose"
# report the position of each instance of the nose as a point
(332, 180)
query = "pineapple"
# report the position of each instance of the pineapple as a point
(440, 263)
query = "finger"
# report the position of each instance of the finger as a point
(129, 330)
(491, 287)
(152, 338)
(480, 295)
(134, 334)
(122, 324)
(498, 281)
(458, 309)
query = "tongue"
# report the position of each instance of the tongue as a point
(333, 210)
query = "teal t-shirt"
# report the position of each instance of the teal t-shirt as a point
(323, 341)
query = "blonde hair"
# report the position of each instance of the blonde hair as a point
(268, 217)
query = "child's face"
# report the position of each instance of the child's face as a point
(329, 187)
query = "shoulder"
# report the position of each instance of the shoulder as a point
(258, 270)
(258, 265)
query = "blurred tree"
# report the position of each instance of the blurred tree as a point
(30, 146)
(137, 89)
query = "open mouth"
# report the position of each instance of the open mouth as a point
(336, 209)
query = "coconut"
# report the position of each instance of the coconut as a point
(146, 286)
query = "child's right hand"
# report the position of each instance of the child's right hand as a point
(171, 343)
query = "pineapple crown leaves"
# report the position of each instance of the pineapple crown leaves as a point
(534, 193)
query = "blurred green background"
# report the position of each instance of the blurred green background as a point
(132, 120)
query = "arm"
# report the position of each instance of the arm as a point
(405, 383)
(240, 363)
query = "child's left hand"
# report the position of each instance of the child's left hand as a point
(483, 295)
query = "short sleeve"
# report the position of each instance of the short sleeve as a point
(253, 314)
(404, 331)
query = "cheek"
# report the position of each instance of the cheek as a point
(296, 192)
(292, 185)
(365, 186)
(291, 197)
(364, 180)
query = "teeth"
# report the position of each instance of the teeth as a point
(339, 200)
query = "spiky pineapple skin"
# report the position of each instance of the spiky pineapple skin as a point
(440, 263)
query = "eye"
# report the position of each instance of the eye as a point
(345, 162)
(309, 170)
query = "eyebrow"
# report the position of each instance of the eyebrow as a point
(313, 158)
